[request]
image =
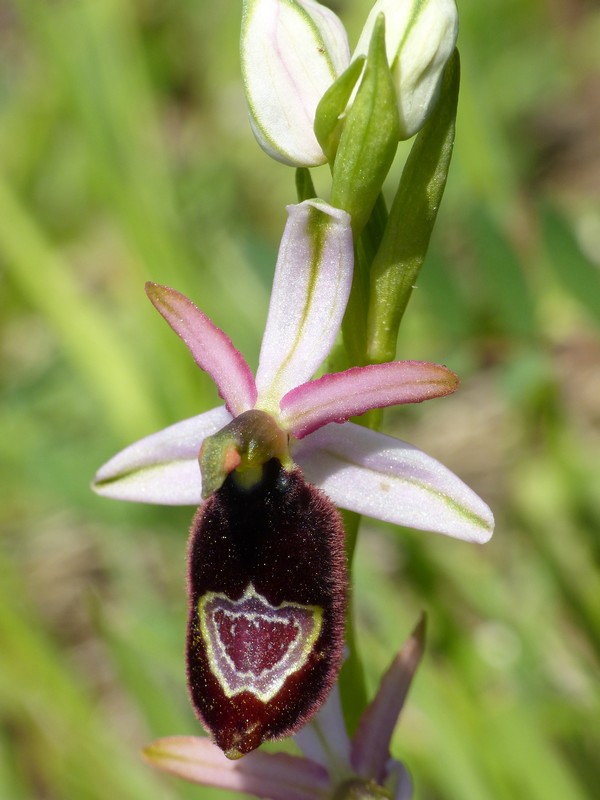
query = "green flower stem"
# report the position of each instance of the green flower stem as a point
(365, 153)
(352, 684)
(374, 229)
(354, 326)
(412, 217)
(305, 188)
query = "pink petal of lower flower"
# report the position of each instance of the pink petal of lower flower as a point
(211, 349)
(399, 781)
(371, 743)
(382, 477)
(325, 739)
(276, 776)
(312, 282)
(337, 397)
(163, 467)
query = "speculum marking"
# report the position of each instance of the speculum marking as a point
(253, 646)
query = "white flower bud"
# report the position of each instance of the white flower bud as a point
(291, 52)
(420, 36)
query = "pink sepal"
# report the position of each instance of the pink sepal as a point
(325, 739)
(370, 753)
(211, 349)
(341, 395)
(269, 775)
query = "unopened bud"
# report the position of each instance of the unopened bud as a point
(420, 36)
(291, 52)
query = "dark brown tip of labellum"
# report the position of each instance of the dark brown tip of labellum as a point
(267, 591)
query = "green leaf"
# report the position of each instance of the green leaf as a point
(305, 188)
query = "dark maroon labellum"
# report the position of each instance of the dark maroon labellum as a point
(267, 588)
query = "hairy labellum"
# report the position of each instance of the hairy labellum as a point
(267, 590)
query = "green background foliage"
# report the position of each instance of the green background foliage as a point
(125, 155)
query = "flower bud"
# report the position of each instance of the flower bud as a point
(420, 37)
(291, 52)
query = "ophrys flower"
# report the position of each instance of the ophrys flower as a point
(267, 572)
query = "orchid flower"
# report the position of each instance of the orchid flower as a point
(358, 469)
(333, 766)
(267, 569)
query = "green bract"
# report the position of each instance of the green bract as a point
(369, 140)
(331, 111)
(402, 251)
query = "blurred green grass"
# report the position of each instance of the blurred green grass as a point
(125, 155)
